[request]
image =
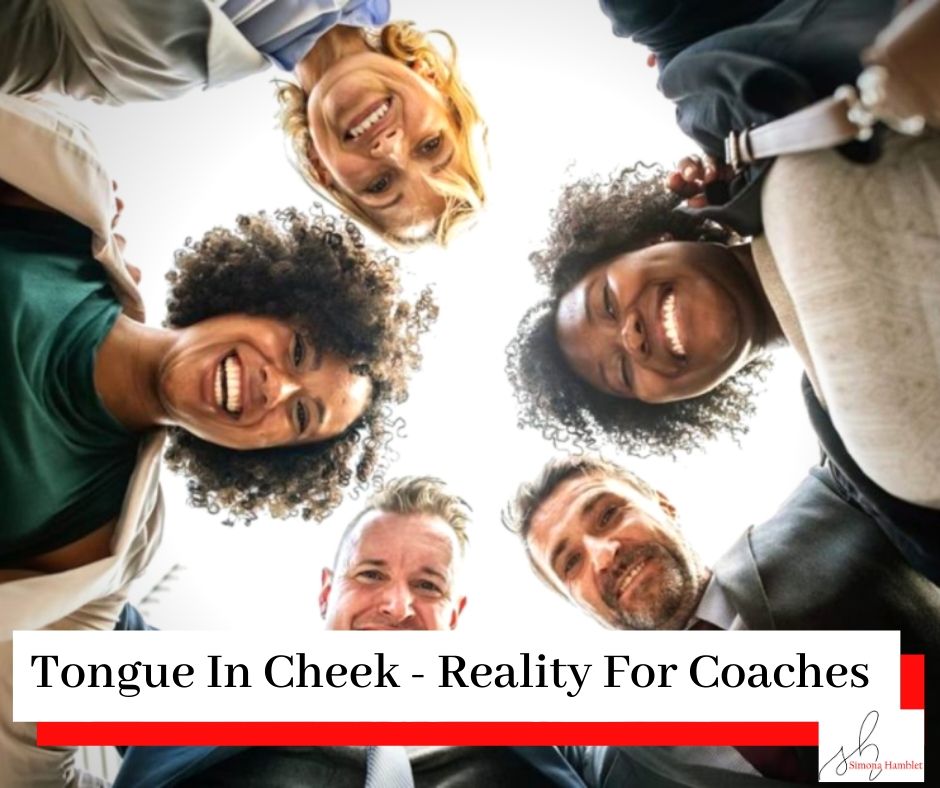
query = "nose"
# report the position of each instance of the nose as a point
(276, 386)
(397, 602)
(388, 145)
(633, 336)
(600, 552)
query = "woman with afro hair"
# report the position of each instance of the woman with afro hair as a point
(286, 342)
(655, 333)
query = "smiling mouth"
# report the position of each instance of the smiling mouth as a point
(376, 115)
(671, 326)
(227, 385)
(630, 574)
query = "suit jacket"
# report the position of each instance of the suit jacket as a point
(50, 157)
(821, 563)
(729, 66)
(564, 767)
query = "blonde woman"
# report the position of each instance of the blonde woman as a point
(378, 118)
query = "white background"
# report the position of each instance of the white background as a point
(563, 97)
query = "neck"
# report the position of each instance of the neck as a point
(339, 42)
(127, 373)
(771, 334)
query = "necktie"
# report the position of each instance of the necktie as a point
(388, 767)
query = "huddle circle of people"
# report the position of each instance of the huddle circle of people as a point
(289, 343)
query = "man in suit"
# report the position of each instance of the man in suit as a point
(396, 568)
(608, 542)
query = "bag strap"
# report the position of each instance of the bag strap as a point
(903, 64)
(830, 122)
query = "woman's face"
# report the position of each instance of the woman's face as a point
(380, 131)
(248, 382)
(663, 323)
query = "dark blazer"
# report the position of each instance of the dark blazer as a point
(821, 563)
(731, 65)
(914, 530)
(561, 767)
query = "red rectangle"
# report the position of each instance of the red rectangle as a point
(912, 681)
(427, 733)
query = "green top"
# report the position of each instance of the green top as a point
(65, 460)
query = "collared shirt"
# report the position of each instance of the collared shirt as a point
(716, 609)
(286, 30)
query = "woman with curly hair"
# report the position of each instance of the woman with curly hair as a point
(379, 119)
(286, 340)
(655, 332)
(601, 359)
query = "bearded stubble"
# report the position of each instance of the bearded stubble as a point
(658, 601)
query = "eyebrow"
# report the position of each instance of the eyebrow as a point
(586, 300)
(317, 361)
(444, 164)
(321, 411)
(586, 510)
(398, 199)
(434, 170)
(432, 571)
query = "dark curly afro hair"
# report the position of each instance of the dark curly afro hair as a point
(596, 219)
(314, 272)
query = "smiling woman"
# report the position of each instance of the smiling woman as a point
(291, 340)
(651, 336)
(382, 125)
(288, 340)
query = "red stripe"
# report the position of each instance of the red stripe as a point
(912, 681)
(427, 733)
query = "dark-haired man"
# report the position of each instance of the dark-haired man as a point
(611, 544)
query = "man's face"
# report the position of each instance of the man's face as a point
(394, 572)
(616, 553)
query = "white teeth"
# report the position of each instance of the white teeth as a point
(369, 122)
(227, 385)
(217, 387)
(628, 577)
(233, 384)
(670, 327)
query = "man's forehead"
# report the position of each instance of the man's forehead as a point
(381, 535)
(567, 503)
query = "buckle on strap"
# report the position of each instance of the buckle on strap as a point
(738, 150)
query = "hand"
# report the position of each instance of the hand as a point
(692, 174)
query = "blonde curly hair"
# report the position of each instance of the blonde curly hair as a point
(461, 185)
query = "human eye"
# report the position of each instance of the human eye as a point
(570, 563)
(380, 184)
(429, 587)
(429, 146)
(299, 349)
(369, 575)
(302, 416)
(608, 515)
(609, 302)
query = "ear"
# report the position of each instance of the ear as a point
(424, 70)
(321, 173)
(458, 609)
(326, 584)
(666, 505)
